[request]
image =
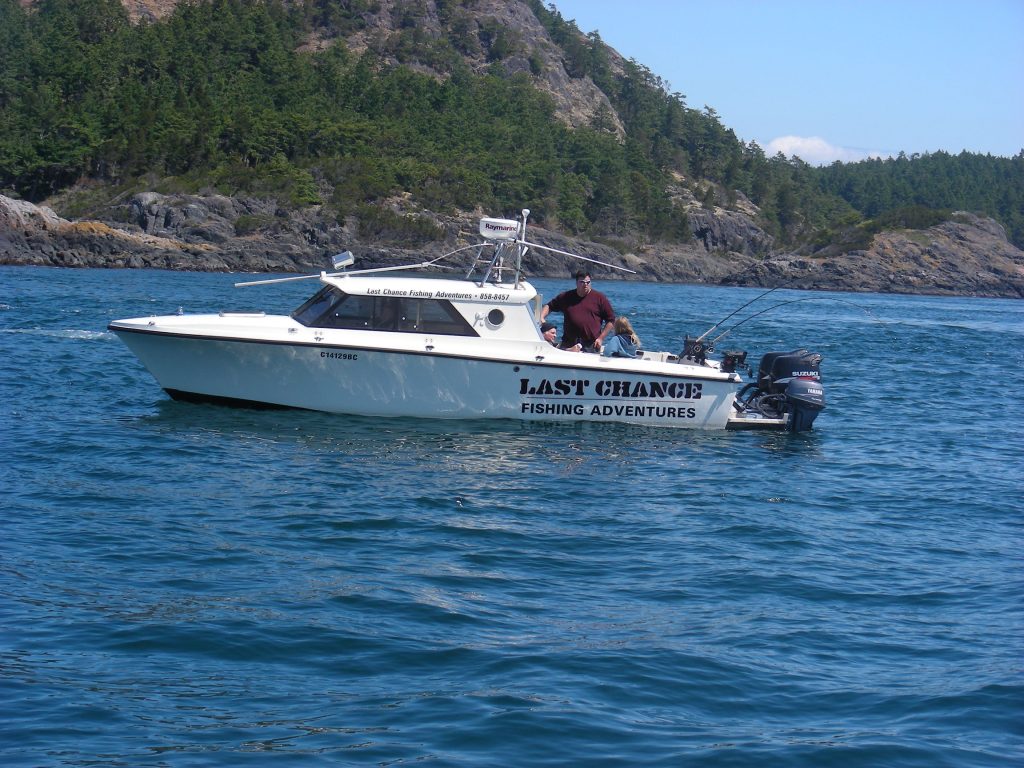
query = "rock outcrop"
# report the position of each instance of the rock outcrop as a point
(967, 256)
(577, 100)
(724, 231)
(151, 230)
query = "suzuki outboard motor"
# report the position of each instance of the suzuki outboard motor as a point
(787, 383)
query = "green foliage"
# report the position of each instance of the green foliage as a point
(708, 201)
(247, 224)
(381, 223)
(911, 217)
(220, 95)
(970, 182)
(855, 234)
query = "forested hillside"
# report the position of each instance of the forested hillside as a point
(443, 107)
(886, 190)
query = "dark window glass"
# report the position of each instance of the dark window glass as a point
(317, 305)
(354, 312)
(433, 316)
(333, 309)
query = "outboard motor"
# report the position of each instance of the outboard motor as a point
(787, 383)
(805, 399)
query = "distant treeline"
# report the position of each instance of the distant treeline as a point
(937, 181)
(224, 95)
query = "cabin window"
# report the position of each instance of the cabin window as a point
(332, 308)
(316, 306)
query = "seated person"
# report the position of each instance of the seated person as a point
(550, 333)
(625, 342)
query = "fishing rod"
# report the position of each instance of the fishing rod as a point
(709, 330)
(868, 312)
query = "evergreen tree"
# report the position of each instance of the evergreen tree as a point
(220, 94)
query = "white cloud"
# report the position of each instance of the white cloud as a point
(815, 150)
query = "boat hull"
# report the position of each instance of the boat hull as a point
(425, 384)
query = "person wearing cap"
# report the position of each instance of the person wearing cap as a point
(588, 315)
(549, 331)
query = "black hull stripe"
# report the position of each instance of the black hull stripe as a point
(233, 402)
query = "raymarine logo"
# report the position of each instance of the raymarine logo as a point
(499, 229)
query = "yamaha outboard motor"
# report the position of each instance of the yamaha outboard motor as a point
(787, 383)
(805, 399)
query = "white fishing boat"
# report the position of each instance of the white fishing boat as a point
(380, 342)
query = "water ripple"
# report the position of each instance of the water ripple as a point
(192, 585)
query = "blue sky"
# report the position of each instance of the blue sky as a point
(834, 79)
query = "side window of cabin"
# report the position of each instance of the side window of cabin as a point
(354, 312)
(333, 309)
(439, 316)
(388, 314)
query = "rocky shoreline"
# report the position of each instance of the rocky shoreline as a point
(969, 256)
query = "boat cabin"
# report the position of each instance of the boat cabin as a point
(423, 305)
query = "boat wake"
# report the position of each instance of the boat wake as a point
(68, 333)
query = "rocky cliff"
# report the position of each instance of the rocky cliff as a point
(577, 100)
(188, 234)
(968, 256)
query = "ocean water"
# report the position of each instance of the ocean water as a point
(188, 585)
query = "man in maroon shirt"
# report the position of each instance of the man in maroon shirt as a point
(588, 315)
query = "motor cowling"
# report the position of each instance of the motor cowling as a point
(789, 383)
(778, 367)
(805, 399)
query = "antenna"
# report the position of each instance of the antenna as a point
(522, 248)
